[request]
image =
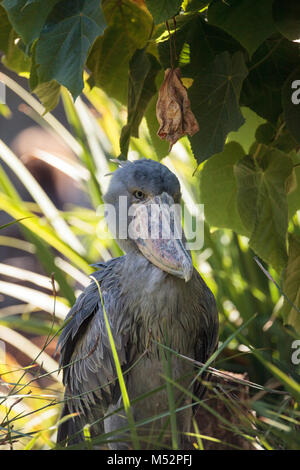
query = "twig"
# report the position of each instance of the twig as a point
(268, 275)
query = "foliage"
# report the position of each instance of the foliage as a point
(239, 76)
(231, 54)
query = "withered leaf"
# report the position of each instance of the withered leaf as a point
(173, 109)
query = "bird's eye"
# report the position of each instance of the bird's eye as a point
(139, 194)
(176, 197)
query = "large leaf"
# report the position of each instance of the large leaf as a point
(214, 100)
(28, 17)
(4, 30)
(162, 10)
(197, 44)
(195, 5)
(249, 21)
(49, 94)
(293, 196)
(143, 69)
(219, 189)
(262, 202)
(246, 133)
(14, 58)
(65, 41)
(268, 70)
(111, 53)
(287, 18)
(291, 102)
(291, 285)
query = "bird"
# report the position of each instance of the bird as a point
(155, 301)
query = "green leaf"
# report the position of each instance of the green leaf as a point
(4, 30)
(163, 10)
(291, 102)
(195, 5)
(291, 284)
(246, 133)
(285, 141)
(219, 189)
(293, 196)
(197, 44)
(286, 17)
(214, 100)
(15, 59)
(28, 18)
(265, 133)
(143, 68)
(111, 53)
(65, 41)
(248, 21)
(5, 111)
(268, 70)
(262, 202)
(49, 94)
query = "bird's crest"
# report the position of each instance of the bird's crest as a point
(120, 163)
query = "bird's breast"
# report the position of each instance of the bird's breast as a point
(163, 318)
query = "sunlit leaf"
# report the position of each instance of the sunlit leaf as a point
(111, 53)
(291, 285)
(219, 189)
(197, 43)
(262, 203)
(4, 30)
(162, 10)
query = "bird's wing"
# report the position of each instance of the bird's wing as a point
(89, 373)
(208, 336)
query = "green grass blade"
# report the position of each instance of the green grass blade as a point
(125, 396)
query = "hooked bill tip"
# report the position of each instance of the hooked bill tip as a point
(187, 269)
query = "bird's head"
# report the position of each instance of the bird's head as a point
(143, 213)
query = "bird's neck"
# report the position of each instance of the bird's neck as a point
(142, 273)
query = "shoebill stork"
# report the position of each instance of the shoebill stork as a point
(152, 295)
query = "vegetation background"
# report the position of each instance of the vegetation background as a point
(95, 69)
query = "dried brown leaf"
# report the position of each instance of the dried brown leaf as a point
(173, 109)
